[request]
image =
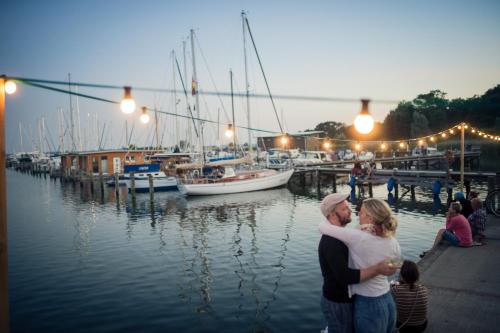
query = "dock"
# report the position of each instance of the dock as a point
(464, 285)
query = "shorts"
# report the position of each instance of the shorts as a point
(451, 237)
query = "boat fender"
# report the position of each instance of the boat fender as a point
(352, 182)
(390, 184)
(436, 187)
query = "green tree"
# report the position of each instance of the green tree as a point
(333, 129)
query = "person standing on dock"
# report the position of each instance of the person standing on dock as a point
(336, 302)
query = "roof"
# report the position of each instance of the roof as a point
(305, 133)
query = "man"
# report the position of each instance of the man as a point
(336, 302)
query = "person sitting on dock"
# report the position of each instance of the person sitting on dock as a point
(457, 231)
(466, 206)
(411, 299)
(477, 221)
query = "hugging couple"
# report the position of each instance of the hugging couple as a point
(355, 263)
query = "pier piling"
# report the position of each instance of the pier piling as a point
(117, 185)
(151, 188)
(132, 185)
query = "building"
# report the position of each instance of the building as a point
(105, 162)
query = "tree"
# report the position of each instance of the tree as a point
(333, 129)
(419, 125)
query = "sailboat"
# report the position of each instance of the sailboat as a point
(222, 177)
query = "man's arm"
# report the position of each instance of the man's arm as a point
(382, 268)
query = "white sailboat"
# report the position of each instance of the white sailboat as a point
(221, 177)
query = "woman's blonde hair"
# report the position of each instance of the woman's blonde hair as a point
(382, 216)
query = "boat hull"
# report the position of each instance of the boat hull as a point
(159, 184)
(247, 185)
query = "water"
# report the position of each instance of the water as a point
(83, 262)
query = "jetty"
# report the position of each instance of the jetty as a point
(464, 285)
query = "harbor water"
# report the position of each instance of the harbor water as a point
(83, 260)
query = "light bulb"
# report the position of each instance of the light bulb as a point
(364, 121)
(128, 104)
(420, 142)
(10, 87)
(432, 138)
(229, 131)
(401, 144)
(284, 139)
(383, 146)
(358, 146)
(144, 115)
(327, 145)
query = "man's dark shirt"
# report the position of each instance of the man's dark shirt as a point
(333, 259)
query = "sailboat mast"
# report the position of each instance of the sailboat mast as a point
(247, 86)
(72, 135)
(189, 130)
(232, 108)
(21, 136)
(196, 95)
(175, 101)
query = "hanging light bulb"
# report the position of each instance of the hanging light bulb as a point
(358, 146)
(229, 131)
(451, 131)
(383, 146)
(401, 145)
(327, 145)
(144, 115)
(432, 139)
(10, 87)
(473, 131)
(443, 135)
(284, 139)
(420, 142)
(466, 126)
(364, 121)
(459, 127)
(128, 104)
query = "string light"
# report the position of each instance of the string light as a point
(451, 131)
(284, 139)
(10, 87)
(128, 104)
(443, 135)
(383, 146)
(229, 131)
(358, 146)
(327, 145)
(364, 121)
(144, 115)
(432, 138)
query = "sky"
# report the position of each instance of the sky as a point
(381, 50)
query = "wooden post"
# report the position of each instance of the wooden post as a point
(467, 187)
(132, 184)
(370, 189)
(318, 181)
(117, 185)
(462, 149)
(450, 194)
(151, 188)
(334, 183)
(412, 191)
(396, 189)
(4, 286)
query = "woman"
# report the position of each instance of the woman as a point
(411, 300)
(457, 231)
(374, 307)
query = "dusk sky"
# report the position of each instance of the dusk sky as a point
(382, 50)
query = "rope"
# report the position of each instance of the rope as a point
(148, 108)
(227, 94)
